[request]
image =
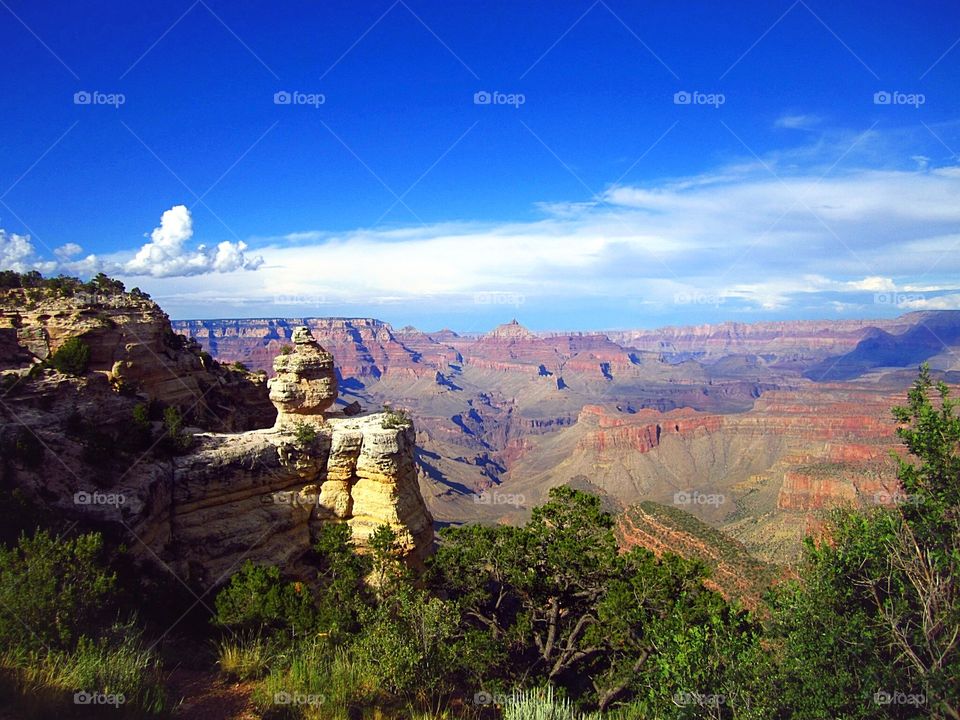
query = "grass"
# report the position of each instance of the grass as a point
(315, 682)
(43, 685)
(244, 657)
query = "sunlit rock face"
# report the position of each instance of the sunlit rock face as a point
(305, 382)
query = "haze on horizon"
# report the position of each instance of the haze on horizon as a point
(434, 166)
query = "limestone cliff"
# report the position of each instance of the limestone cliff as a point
(133, 345)
(198, 501)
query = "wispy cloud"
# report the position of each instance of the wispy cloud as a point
(798, 121)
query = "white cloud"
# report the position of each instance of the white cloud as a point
(67, 251)
(797, 122)
(166, 255)
(941, 302)
(873, 284)
(757, 236)
(738, 236)
(18, 254)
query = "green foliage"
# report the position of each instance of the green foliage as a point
(71, 358)
(176, 439)
(258, 600)
(329, 684)
(239, 366)
(305, 434)
(43, 685)
(567, 607)
(286, 349)
(412, 641)
(931, 433)
(141, 431)
(396, 418)
(52, 589)
(877, 606)
(244, 657)
(342, 573)
(104, 285)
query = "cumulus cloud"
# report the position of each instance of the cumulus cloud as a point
(167, 254)
(67, 251)
(18, 254)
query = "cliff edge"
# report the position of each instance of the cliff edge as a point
(133, 443)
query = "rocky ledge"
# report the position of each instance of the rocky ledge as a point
(196, 500)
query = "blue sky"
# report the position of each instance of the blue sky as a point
(586, 194)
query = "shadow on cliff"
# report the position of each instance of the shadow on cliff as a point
(435, 474)
(933, 334)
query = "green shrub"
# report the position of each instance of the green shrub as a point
(141, 432)
(176, 439)
(258, 600)
(331, 685)
(52, 589)
(239, 366)
(396, 418)
(72, 357)
(286, 349)
(305, 434)
(540, 705)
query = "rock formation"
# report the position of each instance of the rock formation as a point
(305, 384)
(133, 345)
(207, 505)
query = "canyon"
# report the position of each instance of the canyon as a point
(754, 428)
